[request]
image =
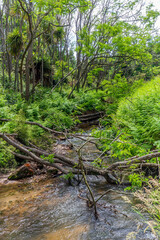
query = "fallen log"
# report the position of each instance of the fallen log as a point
(134, 160)
(47, 129)
(31, 159)
(36, 124)
(90, 117)
(32, 155)
(66, 165)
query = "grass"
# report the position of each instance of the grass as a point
(149, 197)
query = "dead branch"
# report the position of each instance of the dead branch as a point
(36, 124)
(66, 165)
(47, 129)
(135, 160)
(91, 170)
(93, 202)
(32, 155)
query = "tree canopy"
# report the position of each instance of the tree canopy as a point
(90, 42)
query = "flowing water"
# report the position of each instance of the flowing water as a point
(49, 209)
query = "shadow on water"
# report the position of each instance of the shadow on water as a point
(49, 209)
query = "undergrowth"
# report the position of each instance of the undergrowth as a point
(134, 129)
(53, 110)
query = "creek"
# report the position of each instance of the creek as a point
(42, 208)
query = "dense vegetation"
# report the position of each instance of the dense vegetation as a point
(136, 121)
(54, 110)
(62, 59)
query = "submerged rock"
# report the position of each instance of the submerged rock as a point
(27, 170)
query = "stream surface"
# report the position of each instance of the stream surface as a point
(43, 208)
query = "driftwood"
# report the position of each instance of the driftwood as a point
(90, 117)
(63, 160)
(66, 165)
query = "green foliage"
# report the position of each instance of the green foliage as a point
(15, 10)
(23, 130)
(18, 126)
(6, 157)
(56, 110)
(49, 158)
(53, 110)
(119, 143)
(137, 181)
(135, 128)
(98, 163)
(91, 100)
(120, 87)
(139, 114)
(68, 176)
(58, 33)
(15, 42)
